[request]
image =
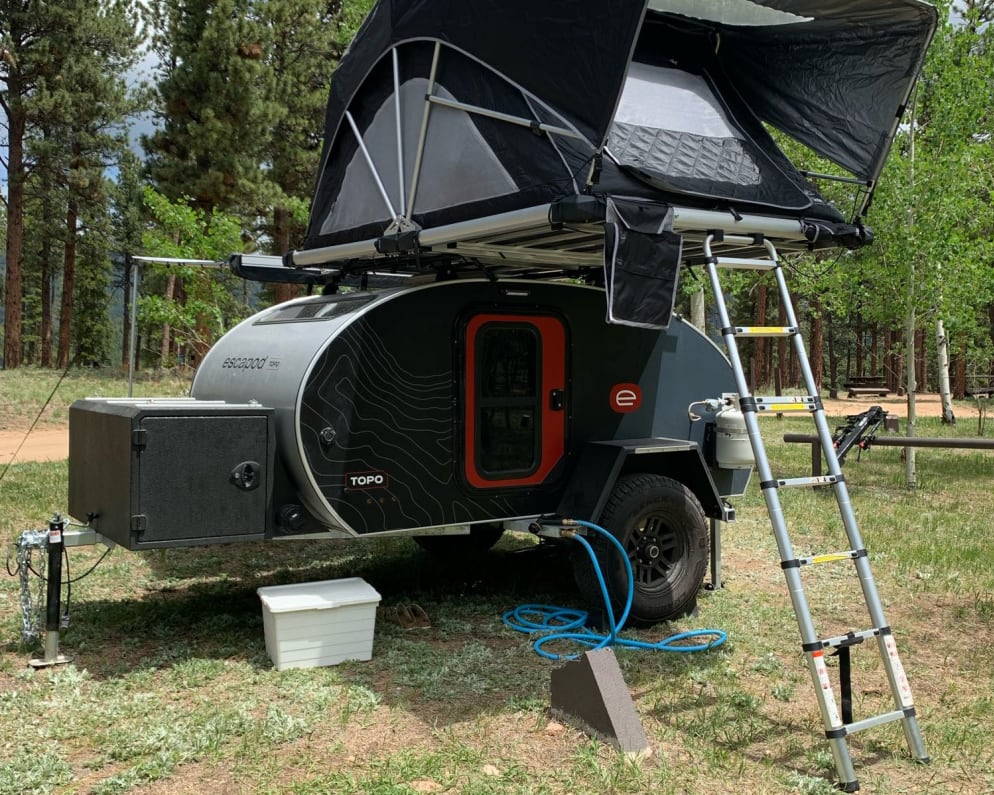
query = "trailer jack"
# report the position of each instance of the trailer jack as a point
(53, 542)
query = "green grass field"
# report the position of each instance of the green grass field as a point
(171, 691)
(33, 396)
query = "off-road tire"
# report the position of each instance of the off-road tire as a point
(662, 525)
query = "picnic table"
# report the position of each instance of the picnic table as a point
(866, 385)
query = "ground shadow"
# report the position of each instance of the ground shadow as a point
(203, 604)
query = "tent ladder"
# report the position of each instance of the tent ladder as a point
(838, 722)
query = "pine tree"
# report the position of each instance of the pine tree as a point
(127, 223)
(308, 38)
(23, 57)
(213, 104)
(66, 103)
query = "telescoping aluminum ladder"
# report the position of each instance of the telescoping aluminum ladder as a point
(838, 724)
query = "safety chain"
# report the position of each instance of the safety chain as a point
(31, 606)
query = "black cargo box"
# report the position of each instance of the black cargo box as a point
(153, 473)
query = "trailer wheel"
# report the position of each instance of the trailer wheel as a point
(479, 540)
(662, 525)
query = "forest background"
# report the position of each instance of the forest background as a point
(237, 92)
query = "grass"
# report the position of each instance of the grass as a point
(171, 691)
(31, 394)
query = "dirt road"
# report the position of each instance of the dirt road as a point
(925, 406)
(48, 444)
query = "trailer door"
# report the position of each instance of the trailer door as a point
(514, 399)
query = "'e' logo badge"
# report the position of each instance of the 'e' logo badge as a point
(626, 398)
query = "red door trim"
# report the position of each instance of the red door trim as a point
(552, 334)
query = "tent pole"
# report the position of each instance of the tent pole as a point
(372, 166)
(424, 131)
(509, 118)
(400, 139)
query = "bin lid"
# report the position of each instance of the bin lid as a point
(320, 595)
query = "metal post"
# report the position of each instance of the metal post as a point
(53, 598)
(422, 135)
(133, 331)
(716, 583)
(816, 458)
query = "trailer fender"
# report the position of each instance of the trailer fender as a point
(600, 465)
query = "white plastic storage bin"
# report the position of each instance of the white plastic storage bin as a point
(319, 623)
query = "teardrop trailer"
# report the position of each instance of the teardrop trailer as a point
(532, 192)
(462, 407)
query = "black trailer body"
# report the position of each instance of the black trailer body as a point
(459, 403)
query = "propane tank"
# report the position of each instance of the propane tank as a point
(732, 447)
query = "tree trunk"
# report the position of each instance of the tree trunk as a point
(816, 354)
(942, 351)
(892, 365)
(281, 237)
(849, 348)
(910, 472)
(46, 302)
(859, 345)
(769, 360)
(68, 286)
(697, 316)
(833, 357)
(781, 371)
(793, 371)
(959, 376)
(921, 366)
(759, 344)
(874, 350)
(13, 288)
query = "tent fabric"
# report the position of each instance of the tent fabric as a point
(836, 80)
(455, 146)
(666, 99)
(472, 165)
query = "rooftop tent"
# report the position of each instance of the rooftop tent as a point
(462, 115)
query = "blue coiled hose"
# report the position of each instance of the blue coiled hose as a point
(565, 623)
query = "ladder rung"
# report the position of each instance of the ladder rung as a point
(783, 404)
(738, 263)
(818, 480)
(765, 331)
(849, 639)
(877, 720)
(831, 557)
